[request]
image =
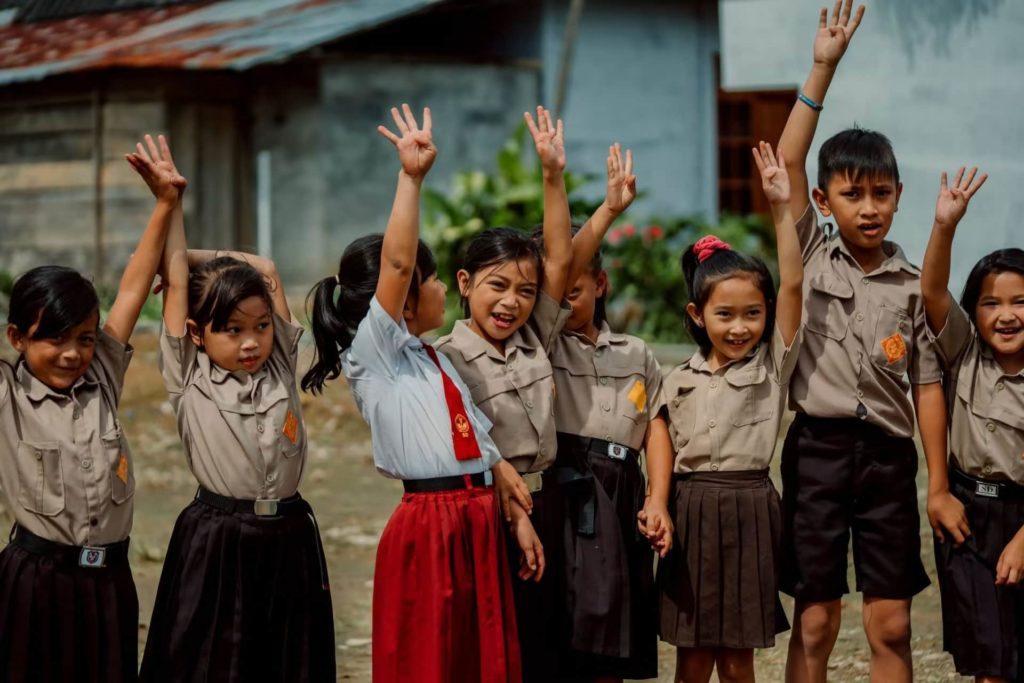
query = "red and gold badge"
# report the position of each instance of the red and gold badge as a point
(122, 468)
(895, 348)
(462, 425)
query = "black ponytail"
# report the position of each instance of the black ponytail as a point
(337, 304)
(702, 276)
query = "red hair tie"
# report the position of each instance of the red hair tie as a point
(708, 245)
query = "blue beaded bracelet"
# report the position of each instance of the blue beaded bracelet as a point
(809, 102)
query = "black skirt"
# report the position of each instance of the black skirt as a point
(242, 598)
(982, 623)
(611, 600)
(719, 584)
(62, 622)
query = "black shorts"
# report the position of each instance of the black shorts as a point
(841, 476)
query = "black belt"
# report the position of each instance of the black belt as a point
(985, 488)
(454, 483)
(262, 507)
(91, 557)
(588, 444)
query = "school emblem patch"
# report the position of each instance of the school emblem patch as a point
(462, 426)
(122, 469)
(895, 348)
(638, 396)
(291, 427)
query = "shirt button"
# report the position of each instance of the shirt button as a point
(272, 477)
(991, 426)
(605, 407)
(86, 463)
(713, 385)
(987, 469)
(714, 468)
(76, 413)
(860, 316)
(529, 404)
(999, 386)
(604, 380)
(712, 423)
(259, 427)
(860, 393)
(865, 281)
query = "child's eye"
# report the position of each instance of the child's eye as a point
(234, 330)
(263, 326)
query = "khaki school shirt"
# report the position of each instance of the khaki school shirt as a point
(65, 467)
(608, 390)
(986, 405)
(516, 391)
(866, 338)
(242, 432)
(729, 419)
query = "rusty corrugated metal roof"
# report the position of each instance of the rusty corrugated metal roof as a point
(230, 34)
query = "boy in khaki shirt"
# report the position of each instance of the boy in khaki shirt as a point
(849, 461)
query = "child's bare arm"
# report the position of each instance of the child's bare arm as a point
(775, 181)
(174, 271)
(620, 194)
(156, 167)
(548, 138)
(416, 153)
(830, 43)
(945, 512)
(654, 520)
(950, 207)
(266, 267)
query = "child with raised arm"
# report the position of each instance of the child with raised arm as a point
(68, 607)
(442, 595)
(849, 461)
(981, 345)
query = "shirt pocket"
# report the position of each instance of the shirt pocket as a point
(292, 433)
(892, 343)
(682, 412)
(751, 400)
(40, 477)
(119, 464)
(828, 306)
(630, 386)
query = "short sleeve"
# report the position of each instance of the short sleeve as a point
(925, 366)
(784, 357)
(378, 343)
(6, 372)
(955, 336)
(809, 232)
(548, 319)
(653, 379)
(110, 363)
(286, 342)
(177, 363)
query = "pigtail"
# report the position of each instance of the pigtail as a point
(332, 334)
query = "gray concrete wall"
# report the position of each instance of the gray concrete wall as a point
(643, 74)
(942, 79)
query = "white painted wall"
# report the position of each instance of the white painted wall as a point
(944, 79)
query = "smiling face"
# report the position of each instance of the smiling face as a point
(999, 315)
(734, 317)
(58, 362)
(863, 209)
(501, 297)
(245, 342)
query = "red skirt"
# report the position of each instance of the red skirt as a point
(442, 599)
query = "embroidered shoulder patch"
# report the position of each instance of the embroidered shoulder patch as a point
(122, 468)
(291, 427)
(895, 348)
(638, 396)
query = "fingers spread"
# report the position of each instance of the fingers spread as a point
(383, 130)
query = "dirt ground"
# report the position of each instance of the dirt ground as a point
(352, 504)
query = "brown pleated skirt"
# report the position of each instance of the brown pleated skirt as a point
(719, 584)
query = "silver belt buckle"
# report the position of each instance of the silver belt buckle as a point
(986, 490)
(534, 481)
(93, 558)
(617, 452)
(265, 507)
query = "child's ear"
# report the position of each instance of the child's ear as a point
(16, 338)
(409, 309)
(603, 286)
(691, 310)
(899, 191)
(464, 280)
(194, 332)
(821, 199)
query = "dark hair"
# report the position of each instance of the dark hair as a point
(596, 266)
(216, 287)
(856, 152)
(334, 323)
(58, 298)
(701, 278)
(495, 246)
(999, 261)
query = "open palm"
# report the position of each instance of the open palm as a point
(548, 139)
(774, 178)
(415, 145)
(834, 36)
(952, 203)
(621, 181)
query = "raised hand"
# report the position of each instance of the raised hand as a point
(621, 181)
(548, 139)
(415, 145)
(834, 36)
(157, 169)
(952, 203)
(774, 178)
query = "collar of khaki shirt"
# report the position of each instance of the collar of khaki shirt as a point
(233, 391)
(37, 390)
(471, 345)
(895, 258)
(699, 363)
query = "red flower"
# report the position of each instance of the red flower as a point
(629, 230)
(655, 232)
(615, 236)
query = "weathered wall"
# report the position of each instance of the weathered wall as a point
(941, 79)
